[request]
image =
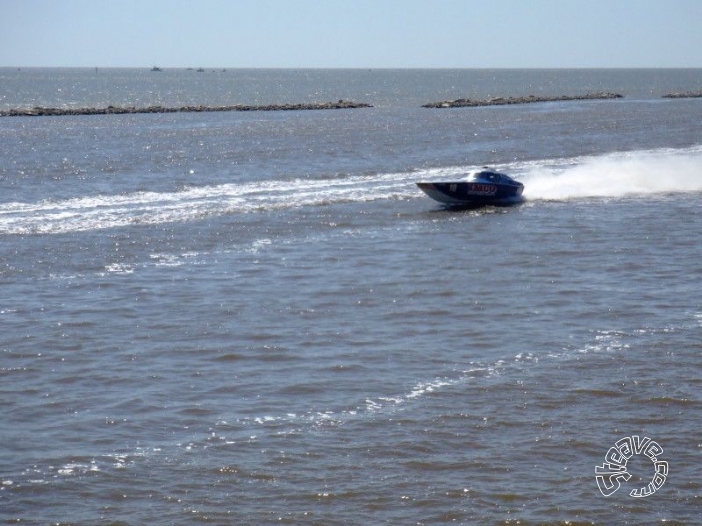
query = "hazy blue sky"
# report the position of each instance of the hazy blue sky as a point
(351, 33)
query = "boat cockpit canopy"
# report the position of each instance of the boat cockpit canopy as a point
(490, 176)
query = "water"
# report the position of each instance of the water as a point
(253, 318)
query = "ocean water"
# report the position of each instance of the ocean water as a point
(257, 318)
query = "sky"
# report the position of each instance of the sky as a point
(351, 33)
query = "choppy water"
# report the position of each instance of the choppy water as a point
(258, 318)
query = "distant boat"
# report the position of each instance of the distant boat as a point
(483, 187)
(156, 68)
(200, 70)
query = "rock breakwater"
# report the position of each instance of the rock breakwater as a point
(121, 110)
(686, 95)
(529, 99)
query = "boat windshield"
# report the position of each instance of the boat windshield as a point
(486, 175)
(490, 176)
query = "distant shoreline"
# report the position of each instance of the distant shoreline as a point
(39, 111)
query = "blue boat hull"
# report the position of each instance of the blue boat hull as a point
(463, 193)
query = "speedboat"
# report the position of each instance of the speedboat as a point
(481, 187)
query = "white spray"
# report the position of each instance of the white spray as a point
(616, 175)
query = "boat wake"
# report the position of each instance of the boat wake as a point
(612, 175)
(193, 204)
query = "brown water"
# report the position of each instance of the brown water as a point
(258, 318)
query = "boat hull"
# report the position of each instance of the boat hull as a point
(462, 193)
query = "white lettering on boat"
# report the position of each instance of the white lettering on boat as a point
(482, 189)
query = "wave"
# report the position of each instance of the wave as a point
(258, 429)
(192, 204)
(612, 175)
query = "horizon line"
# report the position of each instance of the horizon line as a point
(370, 68)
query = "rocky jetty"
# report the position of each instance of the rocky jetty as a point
(529, 99)
(686, 95)
(116, 110)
